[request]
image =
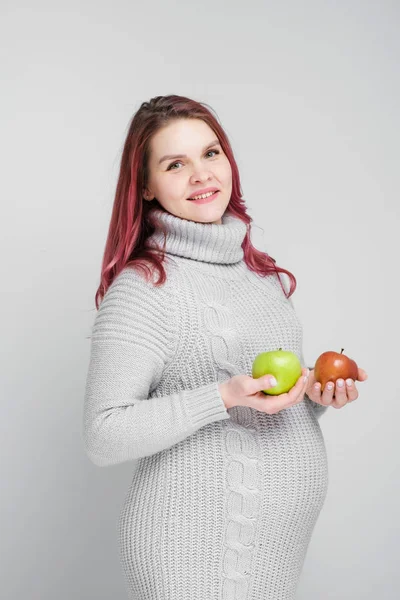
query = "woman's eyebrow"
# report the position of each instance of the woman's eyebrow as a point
(171, 156)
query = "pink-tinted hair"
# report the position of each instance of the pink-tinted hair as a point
(130, 223)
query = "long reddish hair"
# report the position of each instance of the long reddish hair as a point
(130, 223)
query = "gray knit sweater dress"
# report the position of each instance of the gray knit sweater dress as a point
(222, 503)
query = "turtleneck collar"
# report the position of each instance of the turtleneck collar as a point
(206, 242)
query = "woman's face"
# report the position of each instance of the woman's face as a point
(175, 179)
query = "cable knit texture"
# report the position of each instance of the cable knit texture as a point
(222, 503)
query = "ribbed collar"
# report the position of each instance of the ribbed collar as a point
(206, 242)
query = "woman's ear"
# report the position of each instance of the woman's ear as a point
(147, 196)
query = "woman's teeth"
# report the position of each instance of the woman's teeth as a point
(202, 196)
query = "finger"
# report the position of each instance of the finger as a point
(265, 382)
(340, 393)
(274, 404)
(269, 381)
(352, 392)
(314, 392)
(362, 375)
(311, 380)
(327, 393)
(296, 394)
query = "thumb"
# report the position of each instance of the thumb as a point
(266, 382)
(362, 375)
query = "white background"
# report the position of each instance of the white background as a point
(309, 95)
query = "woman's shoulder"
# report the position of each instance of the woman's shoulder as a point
(135, 308)
(133, 280)
(134, 293)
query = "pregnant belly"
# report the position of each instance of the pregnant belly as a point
(294, 461)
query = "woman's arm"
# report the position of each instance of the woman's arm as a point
(133, 340)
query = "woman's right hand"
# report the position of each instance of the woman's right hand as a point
(242, 390)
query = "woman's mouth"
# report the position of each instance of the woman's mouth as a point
(208, 198)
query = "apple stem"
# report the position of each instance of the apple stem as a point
(342, 351)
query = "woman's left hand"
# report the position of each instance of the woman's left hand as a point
(339, 395)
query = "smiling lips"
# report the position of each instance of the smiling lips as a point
(203, 191)
(209, 198)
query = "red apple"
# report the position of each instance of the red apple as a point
(331, 366)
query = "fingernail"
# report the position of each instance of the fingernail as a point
(349, 382)
(273, 381)
(340, 382)
(329, 386)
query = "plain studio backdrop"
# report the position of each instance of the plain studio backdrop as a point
(309, 95)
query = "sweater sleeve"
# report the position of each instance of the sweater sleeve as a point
(133, 340)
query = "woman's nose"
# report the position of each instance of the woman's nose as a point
(201, 174)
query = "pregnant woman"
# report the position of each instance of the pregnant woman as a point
(227, 482)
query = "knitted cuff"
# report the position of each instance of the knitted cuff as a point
(205, 405)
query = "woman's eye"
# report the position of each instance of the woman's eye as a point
(176, 163)
(172, 165)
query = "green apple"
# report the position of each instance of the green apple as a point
(282, 364)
